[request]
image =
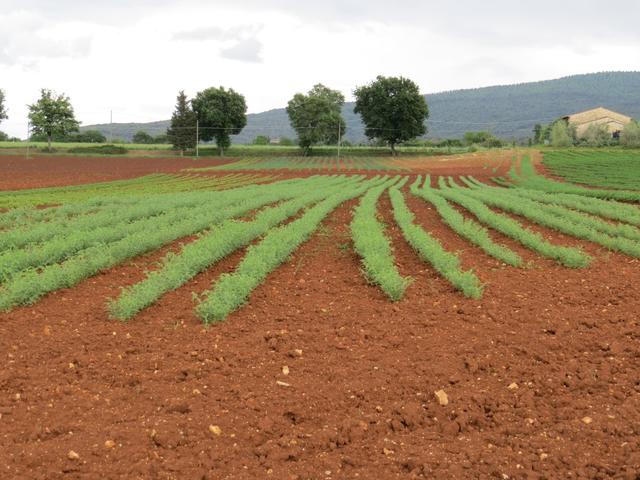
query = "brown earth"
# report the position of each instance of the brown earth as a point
(18, 172)
(541, 374)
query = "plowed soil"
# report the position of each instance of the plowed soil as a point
(541, 375)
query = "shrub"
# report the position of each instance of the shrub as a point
(630, 136)
(560, 135)
(101, 150)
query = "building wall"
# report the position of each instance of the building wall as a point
(612, 125)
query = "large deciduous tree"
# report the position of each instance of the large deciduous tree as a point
(221, 113)
(392, 110)
(182, 131)
(52, 115)
(316, 117)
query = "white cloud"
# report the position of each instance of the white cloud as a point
(132, 56)
(247, 50)
(26, 37)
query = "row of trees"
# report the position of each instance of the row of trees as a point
(392, 110)
(560, 133)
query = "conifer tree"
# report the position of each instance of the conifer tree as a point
(182, 132)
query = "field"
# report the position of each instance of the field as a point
(609, 169)
(458, 316)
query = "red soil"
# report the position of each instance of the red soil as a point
(541, 374)
(17, 171)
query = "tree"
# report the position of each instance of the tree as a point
(143, 138)
(316, 117)
(630, 136)
(537, 133)
(261, 140)
(91, 136)
(3, 110)
(161, 139)
(560, 136)
(392, 110)
(182, 131)
(52, 115)
(596, 135)
(221, 113)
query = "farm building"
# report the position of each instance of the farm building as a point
(615, 122)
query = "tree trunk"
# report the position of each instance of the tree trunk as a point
(49, 142)
(393, 149)
(221, 151)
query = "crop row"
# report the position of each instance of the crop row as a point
(567, 256)
(150, 184)
(576, 224)
(211, 247)
(529, 178)
(431, 250)
(232, 290)
(29, 285)
(466, 228)
(374, 248)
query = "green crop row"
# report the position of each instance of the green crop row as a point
(530, 179)
(430, 249)
(466, 228)
(560, 219)
(304, 163)
(232, 290)
(219, 242)
(28, 286)
(88, 217)
(150, 184)
(374, 248)
(567, 256)
(601, 168)
(64, 241)
(611, 209)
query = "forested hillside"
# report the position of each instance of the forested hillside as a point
(508, 111)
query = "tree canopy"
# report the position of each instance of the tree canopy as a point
(143, 137)
(221, 113)
(316, 117)
(392, 110)
(52, 115)
(630, 136)
(182, 131)
(560, 136)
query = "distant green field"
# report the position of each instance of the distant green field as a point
(326, 164)
(66, 146)
(207, 150)
(601, 168)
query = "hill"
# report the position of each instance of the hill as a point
(509, 111)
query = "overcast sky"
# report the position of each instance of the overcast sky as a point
(132, 56)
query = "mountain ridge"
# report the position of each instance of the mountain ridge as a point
(508, 111)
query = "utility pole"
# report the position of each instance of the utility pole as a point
(197, 136)
(111, 126)
(339, 138)
(28, 137)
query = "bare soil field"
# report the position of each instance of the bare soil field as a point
(320, 376)
(18, 172)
